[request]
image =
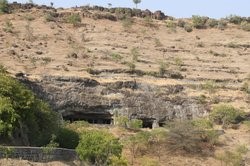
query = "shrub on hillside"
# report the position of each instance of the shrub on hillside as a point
(3, 70)
(235, 157)
(226, 114)
(245, 26)
(4, 7)
(117, 161)
(96, 147)
(188, 27)
(135, 123)
(162, 69)
(137, 144)
(212, 23)
(199, 22)
(202, 123)
(135, 54)
(8, 27)
(222, 24)
(234, 19)
(74, 19)
(171, 25)
(50, 17)
(190, 138)
(67, 138)
(181, 23)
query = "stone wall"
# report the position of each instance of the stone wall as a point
(38, 154)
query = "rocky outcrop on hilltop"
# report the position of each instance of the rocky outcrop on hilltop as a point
(112, 14)
(87, 99)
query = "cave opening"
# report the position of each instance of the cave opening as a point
(90, 118)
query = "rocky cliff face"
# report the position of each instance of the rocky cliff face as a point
(87, 99)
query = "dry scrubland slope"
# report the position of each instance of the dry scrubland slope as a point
(40, 48)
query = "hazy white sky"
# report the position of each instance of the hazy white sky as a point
(176, 8)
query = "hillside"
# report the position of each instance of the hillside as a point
(140, 67)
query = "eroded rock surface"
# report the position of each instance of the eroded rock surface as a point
(87, 99)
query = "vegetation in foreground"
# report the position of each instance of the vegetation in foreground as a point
(21, 112)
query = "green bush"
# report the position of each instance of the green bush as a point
(74, 19)
(188, 27)
(8, 117)
(121, 121)
(117, 161)
(135, 123)
(3, 70)
(21, 113)
(4, 7)
(234, 19)
(226, 114)
(199, 22)
(203, 123)
(8, 26)
(234, 157)
(67, 138)
(97, 147)
(116, 57)
(212, 23)
(245, 26)
(162, 69)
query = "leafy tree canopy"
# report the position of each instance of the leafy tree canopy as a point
(23, 116)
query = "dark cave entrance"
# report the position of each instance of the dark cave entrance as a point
(152, 123)
(93, 118)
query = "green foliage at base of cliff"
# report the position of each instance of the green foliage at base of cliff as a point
(24, 119)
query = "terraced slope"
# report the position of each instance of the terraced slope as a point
(148, 64)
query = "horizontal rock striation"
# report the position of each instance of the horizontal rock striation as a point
(87, 99)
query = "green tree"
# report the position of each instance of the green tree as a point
(97, 147)
(23, 114)
(4, 8)
(8, 117)
(136, 2)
